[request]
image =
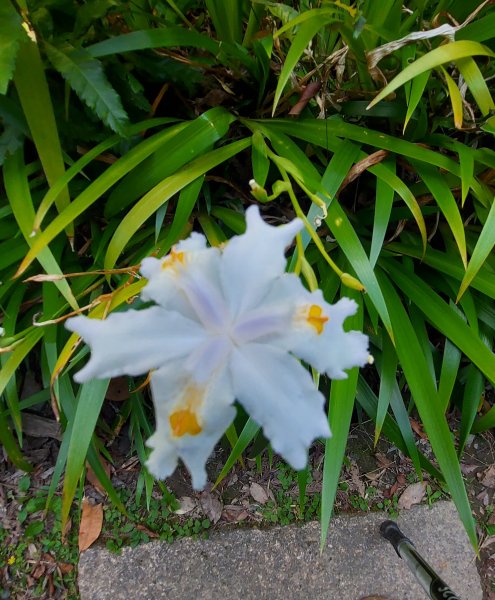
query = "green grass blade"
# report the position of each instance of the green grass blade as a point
(451, 360)
(89, 402)
(383, 207)
(439, 56)
(93, 192)
(388, 372)
(444, 318)
(19, 196)
(446, 202)
(312, 21)
(227, 19)
(455, 99)
(425, 396)
(248, 433)
(369, 402)
(484, 246)
(471, 400)
(11, 447)
(342, 396)
(153, 38)
(34, 95)
(476, 84)
(417, 89)
(163, 192)
(85, 160)
(446, 263)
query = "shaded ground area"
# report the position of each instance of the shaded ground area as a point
(35, 563)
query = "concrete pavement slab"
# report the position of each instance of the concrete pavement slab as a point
(285, 563)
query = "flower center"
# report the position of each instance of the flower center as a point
(184, 421)
(316, 318)
(173, 258)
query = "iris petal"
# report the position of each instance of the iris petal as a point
(250, 262)
(279, 393)
(170, 387)
(135, 341)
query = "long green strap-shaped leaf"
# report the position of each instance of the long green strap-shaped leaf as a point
(427, 402)
(476, 84)
(445, 199)
(98, 187)
(484, 245)
(447, 263)
(89, 402)
(227, 19)
(384, 200)
(439, 56)
(307, 31)
(8, 441)
(19, 196)
(394, 432)
(246, 436)
(444, 318)
(86, 159)
(153, 38)
(388, 373)
(162, 192)
(32, 88)
(342, 396)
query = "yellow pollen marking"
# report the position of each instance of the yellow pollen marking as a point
(173, 258)
(184, 418)
(316, 318)
(184, 421)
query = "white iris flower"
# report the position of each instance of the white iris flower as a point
(228, 325)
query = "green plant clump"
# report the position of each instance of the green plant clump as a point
(125, 126)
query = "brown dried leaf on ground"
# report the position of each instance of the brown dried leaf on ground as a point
(413, 494)
(356, 480)
(234, 514)
(489, 477)
(93, 479)
(186, 505)
(258, 493)
(211, 506)
(91, 524)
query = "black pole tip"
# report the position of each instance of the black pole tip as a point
(391, 532)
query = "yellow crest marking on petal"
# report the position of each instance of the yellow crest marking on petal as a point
(316, 318)
(173, 258)
(184, 419)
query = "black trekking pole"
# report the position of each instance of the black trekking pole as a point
(429, 580)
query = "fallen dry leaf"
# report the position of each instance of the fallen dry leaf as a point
(234, 514)
(467, 469)
(93, 479)
(91, 524)
(356, 480)
(382, 460)
(413, 494)
(65, 568)
(186, 505)
(418, 429)
(489, 477)
(211, 506)
(258, 493)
